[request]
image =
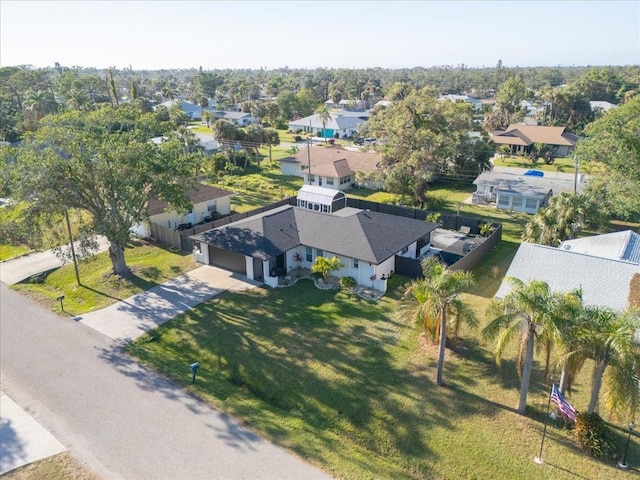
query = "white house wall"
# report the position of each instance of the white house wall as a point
(200, 210)
(517, 203)
(288, 168)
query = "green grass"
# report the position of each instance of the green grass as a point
(58, 467)
(562, 164)
(345, 384)
(11, 251)
(150, 265)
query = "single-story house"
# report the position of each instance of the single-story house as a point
(330, 167)
(194, 111)
(343, 125)
(522, 137)
(477, 104)
(266, 246)
(604, 281)
(207, 202)
(601, 106)
(353, 105)
(522, 193)
(241, 119)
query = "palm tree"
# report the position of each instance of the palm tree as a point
(437, 295)
(526, 311)
(609, 338)
(325, 117)
(560, 221)
(324, 266)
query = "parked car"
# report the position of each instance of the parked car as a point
(359, 141)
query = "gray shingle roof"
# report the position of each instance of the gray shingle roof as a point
(505, 182)
(368, 236)
(603, 281)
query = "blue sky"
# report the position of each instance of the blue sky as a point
(309, 34)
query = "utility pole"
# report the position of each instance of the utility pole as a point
(309, 160)
(575, 176)
(73, 251)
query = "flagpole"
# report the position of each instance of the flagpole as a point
(538, 459)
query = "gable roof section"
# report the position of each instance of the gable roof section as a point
(323, 156)
(202, 193)
(623, 246)
(368, 236)
(526, 135)
(525, 185)
(603, 281)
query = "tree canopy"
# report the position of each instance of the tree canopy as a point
(613, 142)
(423, 138)
(103, 163)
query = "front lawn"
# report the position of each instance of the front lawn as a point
(561, 164)
(345, 384)
(150, 265)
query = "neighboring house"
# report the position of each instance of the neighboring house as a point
(522, 137)
(330, 167)
(601, 106)
(522, 193)
(208, 144)
(352, 105)
(207, 202)
(194, 111)
(383, 104)
(477, 104)
(241, 119)
(268, 245)
(604, 281)
(343, 125)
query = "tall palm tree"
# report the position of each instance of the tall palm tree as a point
(526, 311)
(437, 295)
(609, 338)
(325, 117)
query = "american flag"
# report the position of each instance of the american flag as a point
(563, 406)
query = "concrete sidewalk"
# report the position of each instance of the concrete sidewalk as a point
(17, 269)
(130, 318)
(22, 439)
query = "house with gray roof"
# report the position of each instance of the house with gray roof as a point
(604, 281)
(477, 104)
(191, 109)
(344, 126)
(520, 192)
(266, 246)
(241, 119)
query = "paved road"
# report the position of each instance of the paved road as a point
(13, 271)
(123, 420)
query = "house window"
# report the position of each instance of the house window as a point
(316, 207)
(325, 208)
(319, 180)
(356, 264)
(404, 250)
(517, 202)
(312, 178)
(211, 207)
(329, 180)
(319, 253)
(531, 204)
(503, 201)
(309, 254)
(303, 204)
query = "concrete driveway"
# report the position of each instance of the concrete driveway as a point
(22, 439)
(17, 269)
(130, 318)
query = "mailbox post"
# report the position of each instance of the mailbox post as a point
(194, 369)
(60, 299)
